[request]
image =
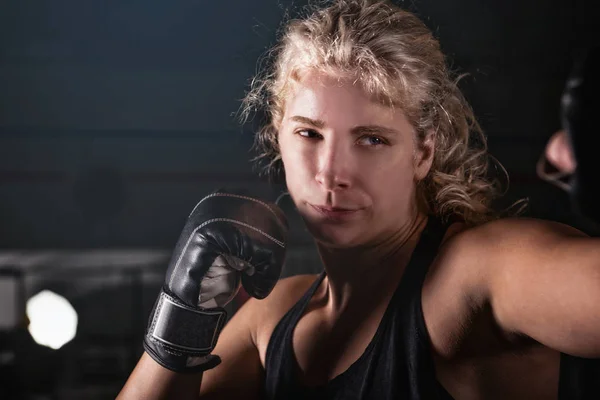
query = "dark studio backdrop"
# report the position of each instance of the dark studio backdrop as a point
(117, 117)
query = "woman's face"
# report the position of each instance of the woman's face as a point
(351, 164)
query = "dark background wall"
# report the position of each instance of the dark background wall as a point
(117, 117)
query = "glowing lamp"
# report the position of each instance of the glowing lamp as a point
(52, 319)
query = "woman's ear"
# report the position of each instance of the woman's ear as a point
(424, 156)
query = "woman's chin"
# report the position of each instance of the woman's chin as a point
(336, 237)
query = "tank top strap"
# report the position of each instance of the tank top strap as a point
(407, 331)
(424, 384)
(278, 355)
(423, 255)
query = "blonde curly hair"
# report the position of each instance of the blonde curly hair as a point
(398, 61)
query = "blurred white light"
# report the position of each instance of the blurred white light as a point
(52, 319)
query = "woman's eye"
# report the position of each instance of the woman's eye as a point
(370, 140)
(308, 133)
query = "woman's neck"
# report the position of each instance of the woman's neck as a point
(369, 270)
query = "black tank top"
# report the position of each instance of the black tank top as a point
(396, 364)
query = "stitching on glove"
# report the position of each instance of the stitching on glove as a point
(156, 313)
(238, 196)
(173, 274)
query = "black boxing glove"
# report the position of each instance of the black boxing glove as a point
(580, 108)
(228, 240)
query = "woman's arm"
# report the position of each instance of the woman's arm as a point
(542, 280)
(228, 239)
(151, 381)
(238, 376)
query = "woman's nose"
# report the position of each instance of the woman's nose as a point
(335, 167)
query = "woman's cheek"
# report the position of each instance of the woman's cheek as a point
(297, 168)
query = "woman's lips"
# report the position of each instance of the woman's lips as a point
(335, 213)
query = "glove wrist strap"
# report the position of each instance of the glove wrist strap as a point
(180, 337)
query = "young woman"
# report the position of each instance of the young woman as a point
(425, 293)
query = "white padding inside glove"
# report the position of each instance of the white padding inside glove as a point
(222, 281)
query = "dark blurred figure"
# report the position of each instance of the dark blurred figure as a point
(571, 162)
(571, 156)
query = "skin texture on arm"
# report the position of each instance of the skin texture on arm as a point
(238, 376)
(545, 283)
(541, 280)
(240, 373)
(241, 346)
(149, 380)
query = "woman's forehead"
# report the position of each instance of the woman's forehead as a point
(321, 96)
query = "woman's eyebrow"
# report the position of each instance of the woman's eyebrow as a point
(373, 129)
(317, 123)
(358, 130)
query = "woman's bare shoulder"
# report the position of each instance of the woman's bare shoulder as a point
(284, 295)
(489, 235)
(293, 285)
(259, 316)
(471, 257)
(263, 315)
